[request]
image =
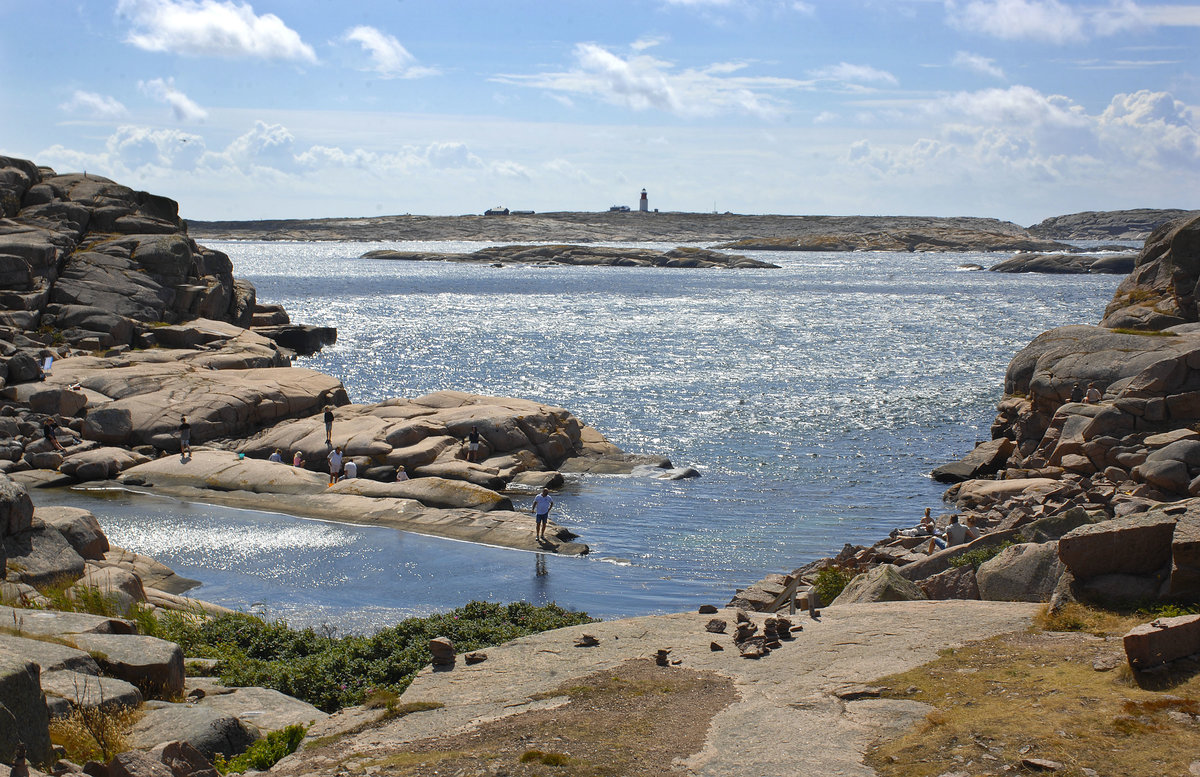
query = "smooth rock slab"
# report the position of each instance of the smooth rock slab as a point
(267, 709)
(40, 556)
(208, 730)
(86, 690)
(52, 623)
(50, 656)
(153, 665)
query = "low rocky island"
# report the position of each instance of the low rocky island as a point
(583, 256)
(1068, 264)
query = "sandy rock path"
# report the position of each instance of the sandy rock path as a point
(788, 720)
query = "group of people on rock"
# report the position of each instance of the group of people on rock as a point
(1091, 397)
(955, 533)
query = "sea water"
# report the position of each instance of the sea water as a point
(814, 400)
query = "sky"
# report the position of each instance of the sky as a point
(1013, 109)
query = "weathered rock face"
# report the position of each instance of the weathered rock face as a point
(97, 262)
(23, 715)
(1161, 291)
(881, 584)
(1027, 572)
(1135, 224)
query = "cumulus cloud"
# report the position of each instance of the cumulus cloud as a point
(978, 64)
(1154, 127)
(1017, 105)
(95, 106)
(208, 28)
(182, 106)
(642, 82)
(388, 57)
(135, 147)
(854, 74)
(1043, 20)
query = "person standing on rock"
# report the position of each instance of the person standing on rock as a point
(329, 424)
(541, 513)
(473, 444)
(335, 465)
(185, 437)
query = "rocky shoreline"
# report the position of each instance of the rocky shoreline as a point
(583, 256)
(1078, 500)
(115, 324)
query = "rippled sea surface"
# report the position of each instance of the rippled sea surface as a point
(814, 399)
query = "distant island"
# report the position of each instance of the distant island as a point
(731, 230)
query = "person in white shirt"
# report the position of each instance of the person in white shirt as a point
(401, 475)
(335, 464)
(276, 457)
(350, 469)
(541, 512)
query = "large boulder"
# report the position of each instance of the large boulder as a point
(987, 459)
(208, 730)
(80, 689)
(954, 583)
(16, 508)
(23, 715)
(50, 656)
(154, 665)
(78, 527)
(1027, 572)
(102, 463)
(881, 584)
(429, 491)
(1138, 544)
(39, 556)
(1161, 290)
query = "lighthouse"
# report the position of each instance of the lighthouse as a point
(644, 204)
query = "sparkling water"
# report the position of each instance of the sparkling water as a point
(813, 399)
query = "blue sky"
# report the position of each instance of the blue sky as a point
(1016, 109)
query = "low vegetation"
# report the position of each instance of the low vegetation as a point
(830, 582)
(94, 733)
(1060, 692)
(264, 753)
(332, 671)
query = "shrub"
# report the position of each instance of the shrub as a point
(830, 582)
(332, 672)
(264, 753)
(92, 732)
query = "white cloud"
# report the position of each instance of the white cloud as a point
(133, 147)
(264, 145)
(978, 64)
(95, 106)
(1172, 15)
(210, 28)
(1017, 105)
(641, 82)
(1121, 16)
(854, 74)
(1153, 127)
(182, 106)
(1042, 20)
(388, 56)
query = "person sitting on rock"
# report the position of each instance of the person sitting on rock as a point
(955, 534)
(925, 528)
(50, 430)
(401, 475)
(1077, 393)
(1093, 395)
(297, 459)
(349, 470)
(276, 457)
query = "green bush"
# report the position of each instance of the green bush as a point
(980, 555)
(332, 672)
(264, 753)
(830, 582)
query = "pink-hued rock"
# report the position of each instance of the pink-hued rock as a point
(1135, 545)
(1162, 640)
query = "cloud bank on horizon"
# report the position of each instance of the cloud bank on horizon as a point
(240, 109)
